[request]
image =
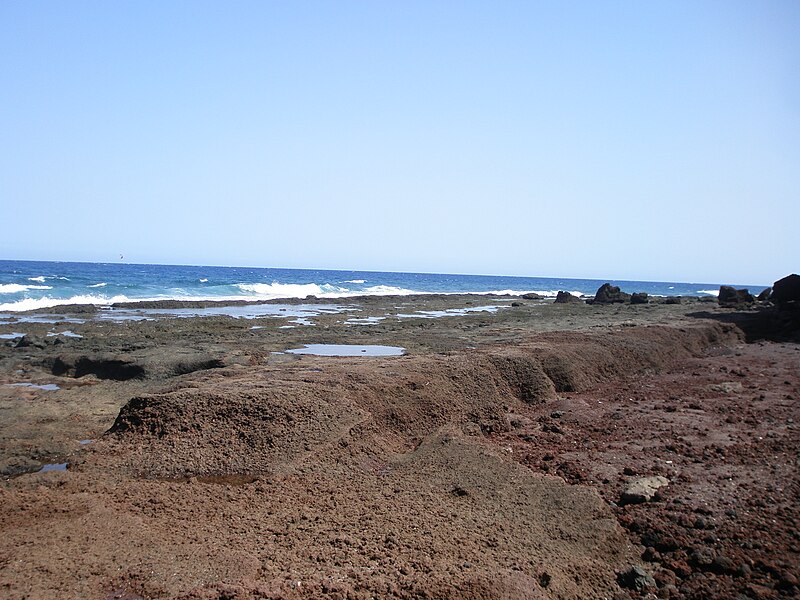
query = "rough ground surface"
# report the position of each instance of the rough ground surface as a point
(490, 462)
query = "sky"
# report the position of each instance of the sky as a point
(620, 139)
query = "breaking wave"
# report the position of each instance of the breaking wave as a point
(16, 288)
(46, 302)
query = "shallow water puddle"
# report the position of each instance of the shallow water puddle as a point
(85, 442)
(11, 336)
(66, 333)
(364, 320)
(450, 312)
(348, 350)
(48, 387)
(53, 467)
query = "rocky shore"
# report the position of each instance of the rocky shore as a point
(519, 448)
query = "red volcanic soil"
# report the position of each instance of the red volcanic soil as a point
(501, 465)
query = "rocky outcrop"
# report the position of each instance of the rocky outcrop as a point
(566, 298)
(730, 297)
(639, 298)
(610, 294)
(764, 295)
(531, 296)
(786, 292)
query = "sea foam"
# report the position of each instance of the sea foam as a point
(47, 302)
(16, 288)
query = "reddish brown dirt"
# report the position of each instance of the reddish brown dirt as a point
(486, 471)
(723, 429)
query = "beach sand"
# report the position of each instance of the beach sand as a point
(507, 454)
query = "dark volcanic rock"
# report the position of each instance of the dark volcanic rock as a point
(610, 294)
(732, 298)
(639, 298)
(673, 300)
(565, 298)
(531, 296)
(636, 578)
(31, 341)
(764, 295)
(786, 292)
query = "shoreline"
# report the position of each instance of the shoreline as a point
(489, 461)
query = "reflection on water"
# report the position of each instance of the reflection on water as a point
(348, 350)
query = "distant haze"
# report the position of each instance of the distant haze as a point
(609, 140)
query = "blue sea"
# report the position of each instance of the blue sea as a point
(27, 285)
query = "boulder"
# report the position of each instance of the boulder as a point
(531, 296)
(642, 490)
(566, 298)
(610, 294)
(673, 300)
(639, 298)
(730, 297)
(764, 295)
(786, 292)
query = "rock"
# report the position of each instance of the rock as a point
(727, 387)
(639, 298)
(642, 490)
(764, 295)
(531, 296)
(517, 304)
(31, 341)
(673, 300)
(730, 297)
(786, 292)
(636, 578)
(566, 298)
(610, 294)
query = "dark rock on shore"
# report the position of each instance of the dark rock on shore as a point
(610, 294)
(639, 298)
(566, 298)
(730, 297)
(636, 578)
(786, 292)
(764, 295)
(531, 296)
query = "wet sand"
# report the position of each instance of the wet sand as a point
(490, 460)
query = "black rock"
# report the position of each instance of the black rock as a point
(673, 300)
(636, 578)
(531, 296)
(764, 295)
(31, 341)
(610, 294)
(730, 297)
(566, 298)
(639, 298)
(786, 292)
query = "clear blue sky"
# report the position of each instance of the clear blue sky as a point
(627, 140)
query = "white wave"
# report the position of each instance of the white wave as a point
(47, 302)
(709, 292)
(281, 290)
(204, 280)
(40, 278)
(387, 290)
(357, 281)
(16, 288)
(98, 285)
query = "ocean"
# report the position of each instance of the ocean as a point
(28, 285)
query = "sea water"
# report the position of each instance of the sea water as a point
(27, 285)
